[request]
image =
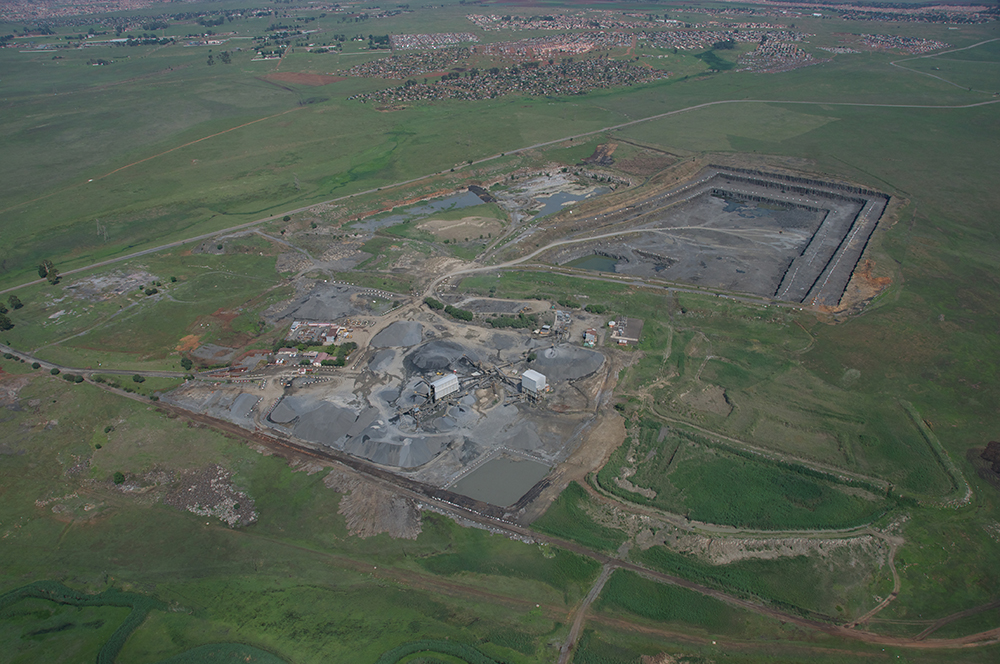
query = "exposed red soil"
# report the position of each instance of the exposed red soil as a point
(188, 343)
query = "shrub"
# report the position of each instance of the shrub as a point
(434, 304)
(54, 372)
(596, 308)
(119, 477)
(138, 379)
(36, 365)
(460, 314)
(186, 363)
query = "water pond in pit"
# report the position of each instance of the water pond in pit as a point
(501, 481)
(594, 262)
(556, 202)
(419, 211)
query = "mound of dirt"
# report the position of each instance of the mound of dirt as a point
(210, 492)
(371, 510)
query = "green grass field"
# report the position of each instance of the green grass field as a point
(712, 485)
(285, 584)
(160, 146)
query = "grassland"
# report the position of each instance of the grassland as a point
(714, 485)
(102, 161)
(284, 585)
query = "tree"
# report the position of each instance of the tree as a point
(53, 276)
(5, 323)
(15, 302)
(186, 363)
(44, 267)
(3, 309)
(138, 379)
(119, 477)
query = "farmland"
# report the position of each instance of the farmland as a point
(767, 475)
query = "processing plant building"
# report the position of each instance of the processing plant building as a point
(533, 382)
(444, 386)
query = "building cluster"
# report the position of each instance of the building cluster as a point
(430, 41)
(955, 14)
(773, 57)
(692, 39)
(318, 333)
(838, 49)
(18, 11)
(301, 358)
(912, 45)
(567, 78)
(626, 331)
(600, 20)
(412, 64)
(546, 47)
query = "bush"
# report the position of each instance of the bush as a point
(460, 314)
(78, 379)
(36, 365)
(54, 372)
(596, 308)
(186, 363)
(8, 356)
(434, 304)
(568, 303)
(138, 379)
(119, 477)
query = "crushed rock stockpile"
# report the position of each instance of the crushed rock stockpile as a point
(440, 355)
(399, 334)
(322, 302)
(566, 362)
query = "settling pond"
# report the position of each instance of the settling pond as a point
(501, 481)
(419, 211)
(594, 262)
